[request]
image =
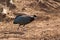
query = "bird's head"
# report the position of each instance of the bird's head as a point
(34, 16)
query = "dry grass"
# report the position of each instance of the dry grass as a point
(45, 27)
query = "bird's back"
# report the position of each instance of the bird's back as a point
(23, 20)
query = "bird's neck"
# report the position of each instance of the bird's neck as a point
(32, 19)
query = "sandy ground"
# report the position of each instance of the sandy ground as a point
(45, 27)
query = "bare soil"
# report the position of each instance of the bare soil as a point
(45, 27)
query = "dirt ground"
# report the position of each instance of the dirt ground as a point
(45, 27)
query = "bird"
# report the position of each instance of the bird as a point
(24, 19)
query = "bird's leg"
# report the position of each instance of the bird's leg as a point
(24, 29)
(23, 25)
(18, 27)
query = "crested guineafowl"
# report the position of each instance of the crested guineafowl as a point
(24, 19)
